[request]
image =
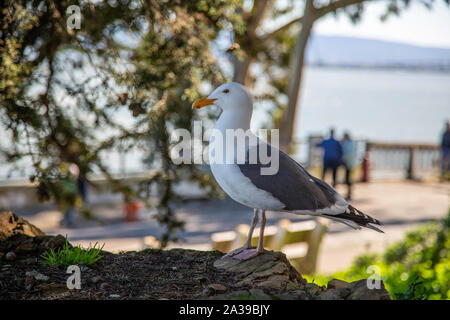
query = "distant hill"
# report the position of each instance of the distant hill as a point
(354, 52)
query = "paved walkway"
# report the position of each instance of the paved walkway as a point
(401, 206)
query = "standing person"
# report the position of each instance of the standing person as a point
(349, 159)
(445, 151)
(82, 186)
(69, 199)
(332, 156)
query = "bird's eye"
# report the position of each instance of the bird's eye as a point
(226, 91)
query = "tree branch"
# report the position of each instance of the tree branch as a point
(257, 13)
(319, 12)
(333, 6)
(274, 33)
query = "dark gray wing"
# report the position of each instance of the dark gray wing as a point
(295, 187)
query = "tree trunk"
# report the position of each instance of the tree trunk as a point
(296, 66)
(241, 68)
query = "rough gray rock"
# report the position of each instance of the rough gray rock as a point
(18, 238)
(36, 275)
(271, 276)
(336, 283)
(269, 270)
(19, 245)
(10, 224)
(10, 256)
(360, 291)
(214, 288)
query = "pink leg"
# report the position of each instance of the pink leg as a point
(248, 242)
(250, 253)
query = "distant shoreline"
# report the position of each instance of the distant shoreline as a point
(366, 53)
(438, 68)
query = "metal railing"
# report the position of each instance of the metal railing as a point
(410, 159)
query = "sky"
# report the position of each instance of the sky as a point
(415, 25)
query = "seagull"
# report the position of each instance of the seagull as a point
(290, 189)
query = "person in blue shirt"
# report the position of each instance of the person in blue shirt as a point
(445, 150)
(349, 160)
(332, 156)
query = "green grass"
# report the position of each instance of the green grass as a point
(67, 255)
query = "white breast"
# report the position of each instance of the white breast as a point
(230, 177)
(241, 189)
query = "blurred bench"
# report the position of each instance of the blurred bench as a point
(300, 241)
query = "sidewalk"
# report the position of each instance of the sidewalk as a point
(401, 206)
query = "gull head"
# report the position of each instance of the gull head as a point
(228, 96)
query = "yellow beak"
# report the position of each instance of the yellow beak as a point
(203, 102)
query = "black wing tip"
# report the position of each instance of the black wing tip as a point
(373, 228)
(360, 218)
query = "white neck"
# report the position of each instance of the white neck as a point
(230, 119)
(234, 119)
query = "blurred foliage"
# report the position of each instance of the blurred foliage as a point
(67, 94)
(139, 60)
(416, 268)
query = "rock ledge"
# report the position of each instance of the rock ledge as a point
(271, 276)
(156, 274)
